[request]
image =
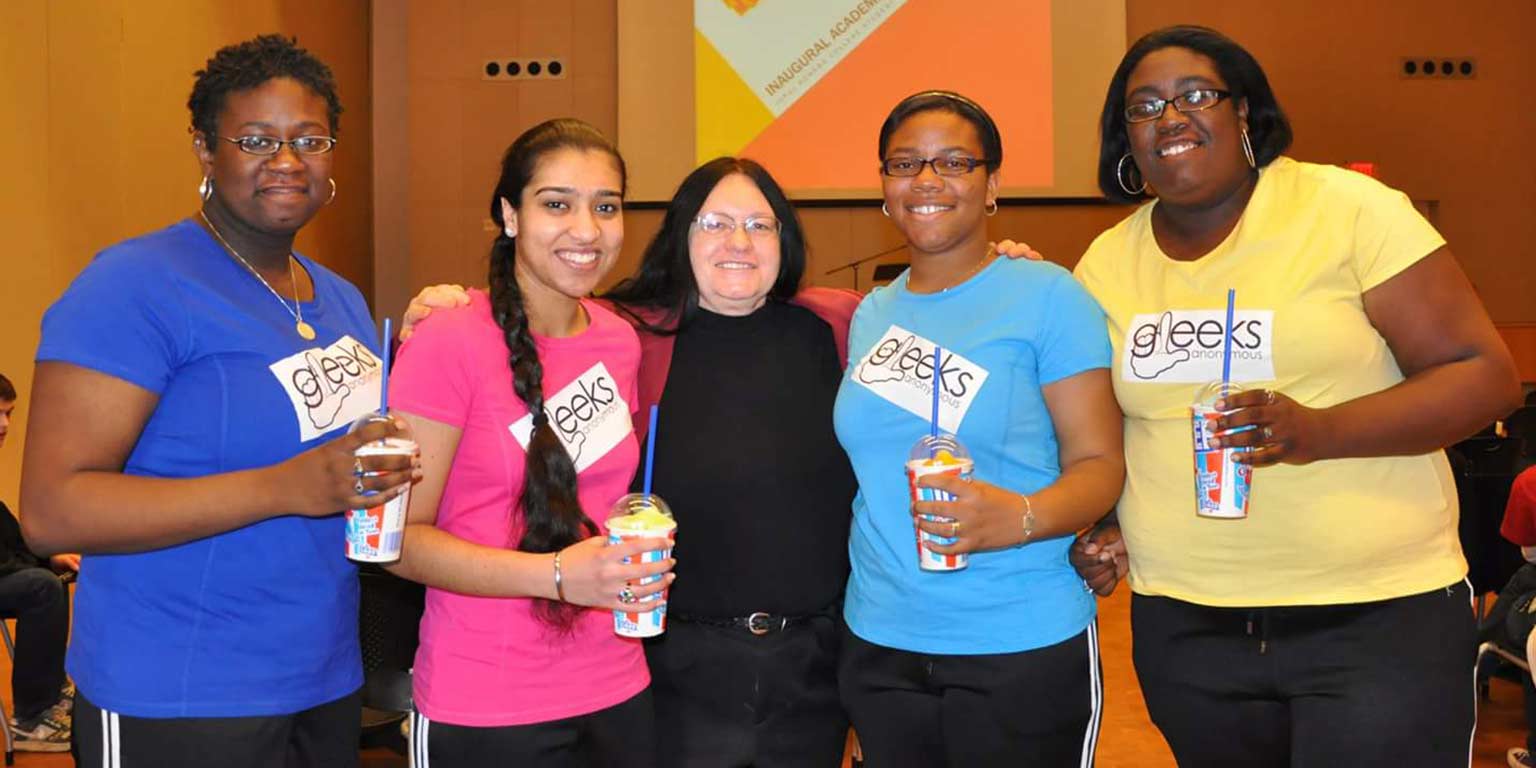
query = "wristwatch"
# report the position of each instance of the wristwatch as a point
(1029, 520)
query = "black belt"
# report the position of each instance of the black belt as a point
(759, 623)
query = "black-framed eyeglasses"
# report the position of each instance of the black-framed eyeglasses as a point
(948, 165)
(1186, 102)
(722, 225)
(271, 145)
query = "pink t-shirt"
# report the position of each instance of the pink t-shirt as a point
(491, 661)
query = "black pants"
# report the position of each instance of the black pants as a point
(621, 736)
(1038, 708)
(726, 698)
(1384, 683)
(320, 737)
(40, 603)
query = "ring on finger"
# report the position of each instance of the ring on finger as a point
(627, 596)
(954, 528)
(357, 466)
(1269, 397)
(1268, 432)
(358, 486)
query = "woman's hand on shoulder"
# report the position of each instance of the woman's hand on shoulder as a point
(325, 479)
(440, 296)
(594, 574)
(1015, 250)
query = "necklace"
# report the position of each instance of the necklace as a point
(304, 329)
(986, 259)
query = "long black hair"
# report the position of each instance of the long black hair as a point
(665, 279)
(552, 515)
(1268, 130)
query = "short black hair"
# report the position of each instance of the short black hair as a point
(954, 103)
(665, 279)
(243, 66)
(1268, 130)
(7, 389)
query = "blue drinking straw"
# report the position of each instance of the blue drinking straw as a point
(384, 382)
(1226, 347)
(933, 424)
(650, 451)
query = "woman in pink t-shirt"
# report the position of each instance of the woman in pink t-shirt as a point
(521, 404)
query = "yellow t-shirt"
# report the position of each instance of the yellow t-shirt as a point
(1313, 240)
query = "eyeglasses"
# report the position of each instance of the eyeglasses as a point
(722, 225)
(950, 165)
(1186, 102)
(270, 145)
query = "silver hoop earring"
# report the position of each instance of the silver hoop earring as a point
(990, 208)
(333, 191)
(1248, 150)
(1120, 177)
(885, 210)
(205, 189)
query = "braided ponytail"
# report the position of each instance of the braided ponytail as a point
(551, 512)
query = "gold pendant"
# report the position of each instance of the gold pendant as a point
(306, 330)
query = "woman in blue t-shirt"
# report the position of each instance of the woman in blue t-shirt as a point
(996, 664)
(188, 435)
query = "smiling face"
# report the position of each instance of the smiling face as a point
(937, 213)
(735, 270)
(274, 194)
(569, 225)
(1190, 159)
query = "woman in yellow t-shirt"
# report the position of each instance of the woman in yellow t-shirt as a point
(1332, 625)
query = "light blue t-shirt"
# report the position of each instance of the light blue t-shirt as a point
(1012, 328)
(261, 620)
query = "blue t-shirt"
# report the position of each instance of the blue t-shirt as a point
(1012, 328)
(261, 620)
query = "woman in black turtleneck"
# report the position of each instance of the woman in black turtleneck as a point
(745, 366)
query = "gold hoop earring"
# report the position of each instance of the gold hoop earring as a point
(990, 208)
(333, 191)
(1120, 177)
(1248, 149)
(205, 189)
(885, 210)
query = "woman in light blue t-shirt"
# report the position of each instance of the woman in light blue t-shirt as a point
(997, 663)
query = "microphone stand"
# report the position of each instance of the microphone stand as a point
(854, 265)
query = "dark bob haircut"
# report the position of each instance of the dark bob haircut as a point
(247, 65)
(665, 280)
(954, 103)
(1268, 130)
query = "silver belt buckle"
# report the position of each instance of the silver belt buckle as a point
(758, 624)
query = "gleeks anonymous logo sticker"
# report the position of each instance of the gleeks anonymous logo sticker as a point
(1184, 346)
(588, 414)
(899, 368)
(330, 387)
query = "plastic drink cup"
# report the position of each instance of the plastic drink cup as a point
(933, 455)
(374, 534)
(1222, 485)
(638, 515)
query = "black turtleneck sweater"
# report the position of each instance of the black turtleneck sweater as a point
(747, 459)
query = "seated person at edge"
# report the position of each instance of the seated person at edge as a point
(31, 592)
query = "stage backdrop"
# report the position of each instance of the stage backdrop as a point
(803, 85)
